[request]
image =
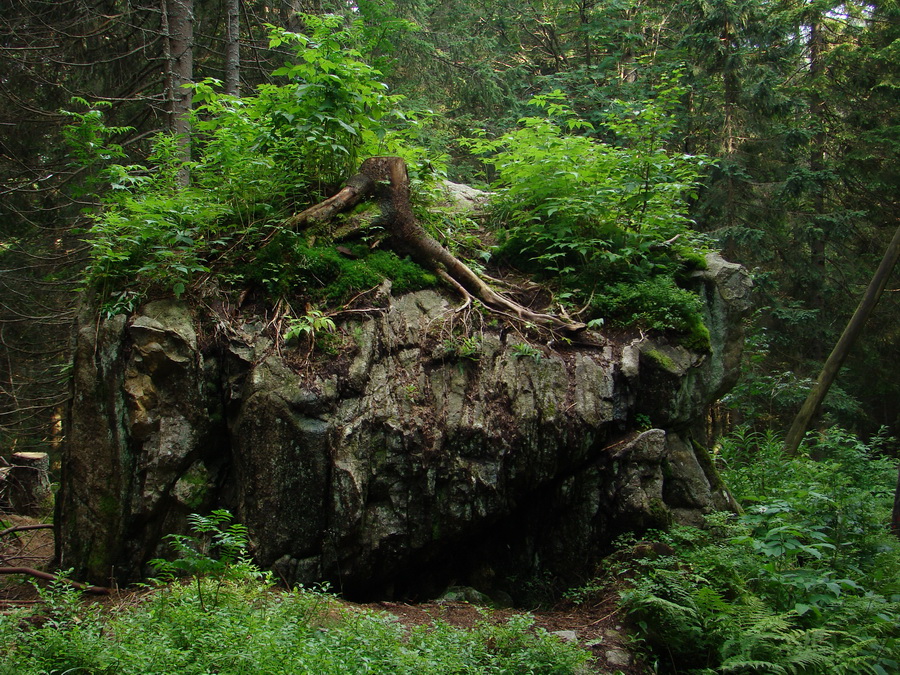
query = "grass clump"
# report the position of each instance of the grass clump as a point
(229, 619)
(807, 580)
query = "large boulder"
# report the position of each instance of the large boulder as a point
(415, 455)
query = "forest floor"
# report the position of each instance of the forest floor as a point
(596, 625)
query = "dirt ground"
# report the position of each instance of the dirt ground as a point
(31, 548)
(596, 625)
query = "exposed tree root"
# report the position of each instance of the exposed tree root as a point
(467, 297)
(358, 189)
(386, 179)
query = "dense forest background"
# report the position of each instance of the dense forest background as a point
(794, 105)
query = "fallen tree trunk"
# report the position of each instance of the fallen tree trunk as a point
(25, 528)
(386, 179)
(841, 350)
(37, 574)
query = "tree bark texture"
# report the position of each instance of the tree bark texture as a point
(233, 49)
(731, 87)
(817, 163)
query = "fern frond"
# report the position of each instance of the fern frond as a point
(750, 666)
(666, 609)
(810, 659)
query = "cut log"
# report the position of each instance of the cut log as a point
(25, 528)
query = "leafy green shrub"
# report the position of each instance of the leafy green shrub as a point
(308, 325)
(316, 126)
(575, 188)
(216, 552)
(602, 216)
(806, 581)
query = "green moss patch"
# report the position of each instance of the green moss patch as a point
(288, 265)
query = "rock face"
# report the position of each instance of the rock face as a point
(415, 456)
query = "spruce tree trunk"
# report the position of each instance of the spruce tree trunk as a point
(817, 164)
(178, 29)
(731, 86)
(233, 49)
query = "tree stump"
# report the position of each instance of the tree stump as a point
(28, 483)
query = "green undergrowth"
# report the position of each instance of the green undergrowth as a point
(254, 630)
(807, 580)
(256, 160)
(228, 619)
